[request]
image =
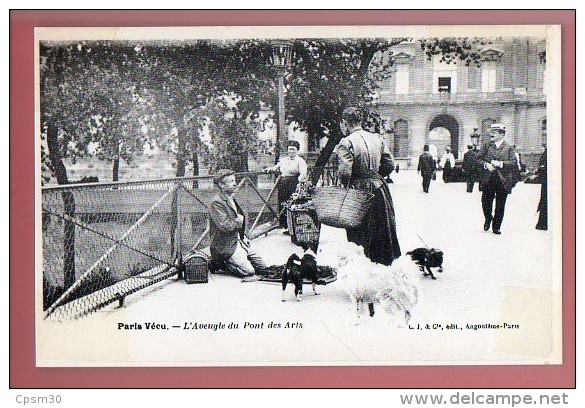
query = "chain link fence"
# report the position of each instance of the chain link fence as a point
(104, 241)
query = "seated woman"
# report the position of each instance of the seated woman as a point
(293, 169)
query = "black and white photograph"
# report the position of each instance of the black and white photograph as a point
(298, 196)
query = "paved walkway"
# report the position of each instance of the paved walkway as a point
(488, 279)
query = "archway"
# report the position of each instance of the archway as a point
(449, 123)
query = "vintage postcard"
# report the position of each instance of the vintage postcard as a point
(298, 196)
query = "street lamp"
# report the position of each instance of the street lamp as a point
(281, 58)
(475, 136)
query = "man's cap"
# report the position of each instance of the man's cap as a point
(498, 126)
(448, 148)
(221, 174)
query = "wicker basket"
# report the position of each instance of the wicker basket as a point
(302, 227)
(196, 267)
(342, 207)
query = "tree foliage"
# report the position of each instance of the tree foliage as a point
(465, 49)
(190, 98)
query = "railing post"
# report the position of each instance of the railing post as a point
(179, 234)
(174, 238)
(68, 240)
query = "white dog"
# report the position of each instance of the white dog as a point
(369, 283)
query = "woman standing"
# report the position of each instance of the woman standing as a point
(363, 160)
(542, 223)
(293, 169)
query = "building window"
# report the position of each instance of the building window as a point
(543, 132)
(402, 79)
(488, 78)
(444, 76)
(400, 138)
(445, 84)
(472, 77)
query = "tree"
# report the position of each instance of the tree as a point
(330, 75)
(91, 96)
(124, 95)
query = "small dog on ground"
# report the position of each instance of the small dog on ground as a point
(368, 283)
(297, 269)
(427, 258)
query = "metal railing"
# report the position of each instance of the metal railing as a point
(103, 241)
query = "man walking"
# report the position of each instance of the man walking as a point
(469, 162)
(426, 168)
(498, 175)
(229, 243)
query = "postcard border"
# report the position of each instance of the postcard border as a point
(24, 373)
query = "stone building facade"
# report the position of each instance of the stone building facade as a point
(429, 101)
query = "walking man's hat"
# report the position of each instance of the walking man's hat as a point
(498, 126)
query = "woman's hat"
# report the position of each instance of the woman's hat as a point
(293, 143)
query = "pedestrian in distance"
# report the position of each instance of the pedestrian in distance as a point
(469, 163)
(426, 167)
(498, 175)
(542, 223)
(447, 163)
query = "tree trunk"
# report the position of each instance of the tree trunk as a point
(60, 173)
(59, 170)
(335, 136)
(181, 165)
(69, 240)
(181, 155)
(116, 160)
(116, 168)
(195, 160)
(324, 156)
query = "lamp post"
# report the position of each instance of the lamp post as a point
(281, 58)
(475, 136)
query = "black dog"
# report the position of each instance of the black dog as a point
(427, 258)
(297, 269)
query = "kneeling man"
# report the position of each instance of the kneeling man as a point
(229, 244)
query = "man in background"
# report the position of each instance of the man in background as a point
(426, 168)
(469, 161)
(498, 175)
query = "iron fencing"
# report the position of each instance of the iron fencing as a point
(103, 241)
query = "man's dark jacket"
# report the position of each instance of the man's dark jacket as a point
(508, 174)
(426, 164)
(224, 227)
(470, 162)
